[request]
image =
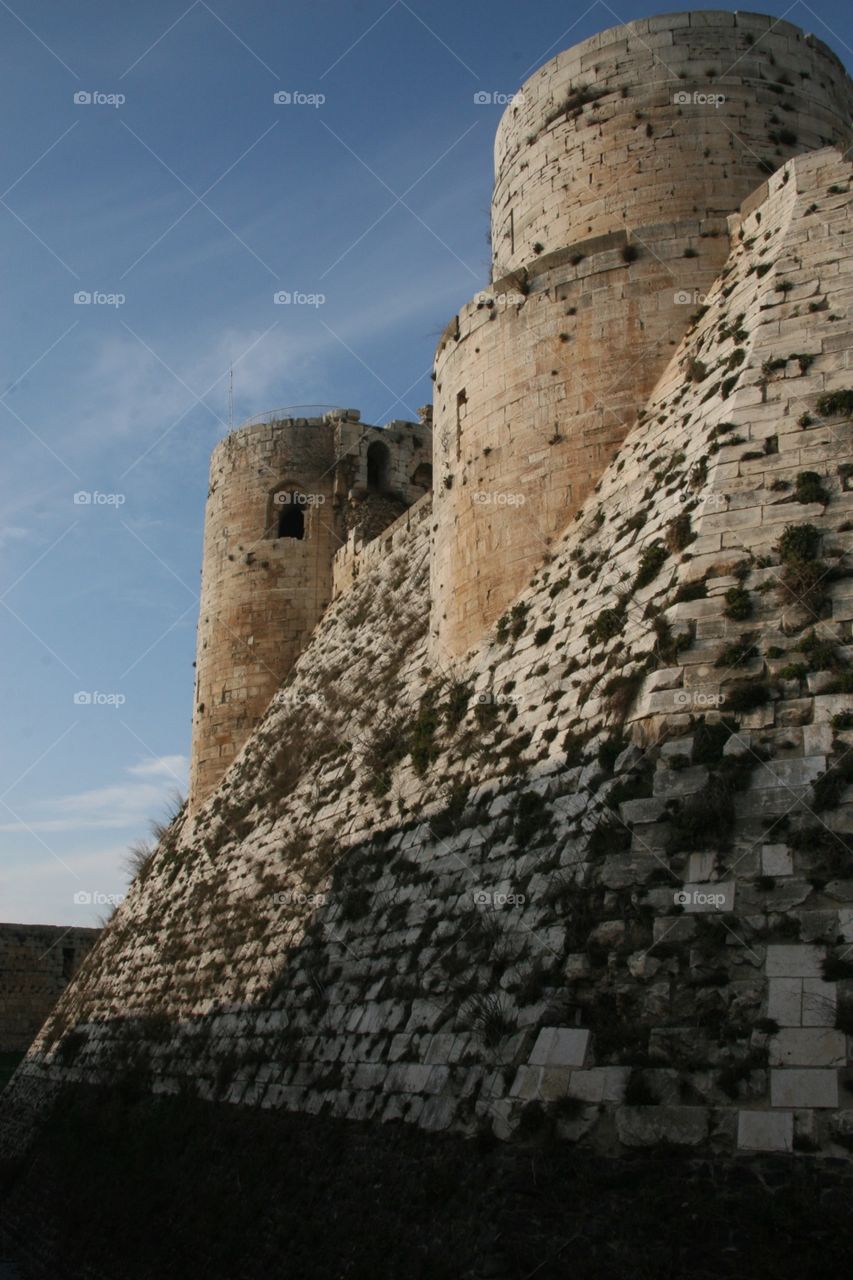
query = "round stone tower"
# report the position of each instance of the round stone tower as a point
(616, 168)
(284, 493)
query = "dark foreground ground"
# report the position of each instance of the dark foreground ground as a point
(124, 1188)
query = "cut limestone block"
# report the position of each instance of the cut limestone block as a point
(804, 1088)
(560, 1047)
(765, 1131)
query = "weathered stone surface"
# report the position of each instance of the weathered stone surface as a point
(560, 1047)
(651, 1126)
(817, 1047)
(785, 1001)
(784, 961)
(776, 860)
(400, 875)
(820, 1000)
(765, 1131)
(36, 964)
(804, 1088)
(599, 1084)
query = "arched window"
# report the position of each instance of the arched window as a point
(291, 515)
(378, 467)
(423, 476)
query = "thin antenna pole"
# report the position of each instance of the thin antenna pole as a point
(231, 398)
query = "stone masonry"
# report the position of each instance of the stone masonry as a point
(36, 964)
(615, 170)
(264, 587)
(599, 867)
(519, 813)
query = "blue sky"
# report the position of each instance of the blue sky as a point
(183, 198)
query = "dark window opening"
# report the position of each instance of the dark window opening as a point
(378, 467)
(67, 963)
(291, 517)
(423, 476)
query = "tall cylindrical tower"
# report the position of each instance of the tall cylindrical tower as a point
(284, 494)
(269, 538)
(616, 168)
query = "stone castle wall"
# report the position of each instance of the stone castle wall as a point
(609, 226)
(36, 964)
(262, 594)
(601, 871)
(529, 412)
(358, 557)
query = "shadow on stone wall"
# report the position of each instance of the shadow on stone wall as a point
(138, 1187)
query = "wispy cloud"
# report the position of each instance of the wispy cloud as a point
(125, 804)
(173, 768)
(12, 533)
(130, 386)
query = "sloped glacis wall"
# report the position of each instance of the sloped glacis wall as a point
(604, 868)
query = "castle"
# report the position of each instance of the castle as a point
(615, 171)
(616, 167)
(567, 836)
(286, 496)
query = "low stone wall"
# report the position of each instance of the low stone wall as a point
(36, 964)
